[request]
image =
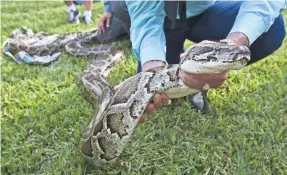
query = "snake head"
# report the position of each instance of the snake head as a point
(215, 56)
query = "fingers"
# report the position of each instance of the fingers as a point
(99, 29)
(160, 100)
(117, 86)
(108, 21)
(165, 99)
(197, 81)
(190, 82)
(150, 108)
(224, 75)
(157, 101)
(182, 55)
(143, 118)
(101, 26)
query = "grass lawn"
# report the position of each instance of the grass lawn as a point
(44, 113)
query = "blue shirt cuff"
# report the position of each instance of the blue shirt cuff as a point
(252, 28)
(108, 8)
(154, 51)
(256, 17)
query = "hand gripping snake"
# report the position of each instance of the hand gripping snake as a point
(114, 123)
(118, 113)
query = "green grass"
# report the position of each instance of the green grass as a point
(44, 113)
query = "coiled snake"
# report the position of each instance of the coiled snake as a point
(43, 48)
(113, 124)
(111, 128)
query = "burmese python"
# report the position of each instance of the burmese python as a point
(112, 126)
(43, 48)
(118, 113)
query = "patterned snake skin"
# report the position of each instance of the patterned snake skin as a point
(114, 123)
(43, 48)
(118, 113)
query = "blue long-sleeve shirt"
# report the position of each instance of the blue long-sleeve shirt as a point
(147, 18)
(107, 6)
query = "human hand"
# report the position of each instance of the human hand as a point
(199, 81)
(158, 100)
(105, 21)
(238, 38)
(152, 65)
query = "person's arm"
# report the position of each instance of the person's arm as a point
(253, 19)
(105, 19)
(147, 34)
(148, 42)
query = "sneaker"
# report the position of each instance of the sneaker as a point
(74, 16)
(199, 101)
(88, 19)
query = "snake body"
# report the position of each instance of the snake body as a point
(111, 128)
(42, 48)
(118, 113)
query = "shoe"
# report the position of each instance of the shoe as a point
(74, 16)
(88, 19)
(199, 101)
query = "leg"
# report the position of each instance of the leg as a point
(68, 3)
(213, 24)
(268, 42)
(120, 11)
(174, 41)
(73, 13)
(217, 21)
(88, 4)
